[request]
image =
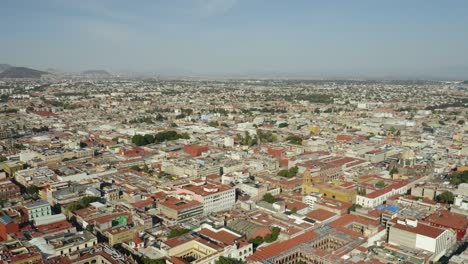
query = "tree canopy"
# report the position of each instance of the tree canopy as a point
(269, 198)
(293, 139)
(380, 184)
(146, 260)
(353, 207)
(141, 140)
(175, 232)
(445, 197)
(393, 171)
(288, 173)
(273, 236)
(32, 189)
(225, 260)
(458, 178)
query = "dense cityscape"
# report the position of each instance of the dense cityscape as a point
(233, 132)
(105, 169)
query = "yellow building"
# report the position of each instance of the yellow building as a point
(314, 129)
(342, 191)
(122, 234)
(12, 166)
(194, 249)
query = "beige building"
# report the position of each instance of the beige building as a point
(122, 234)
(207, 244)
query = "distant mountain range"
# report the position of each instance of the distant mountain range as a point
(8, 71)
(4, 67)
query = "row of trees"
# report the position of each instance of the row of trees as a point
(140, 140)
(266, 136)
(445, 197)
(289, 173)
(458, 178)
(293, 139)
(273, 236)
(175, 232)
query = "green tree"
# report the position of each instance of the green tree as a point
(146, 260)
(3, 158)
(294, 210)
(148, 138)
(224, 260)
(269, 198)
(256, 241)
(361, 191)
(393, 171)
(90, 228)
(273, 236)
(213, 124)
(353, 208)
(293, 139)
(445, 197)
(461, 122)
(87, 200)
(283, 125)
(32, 190)
(73, 207)
(289, 173)
(175, 232)
(458, 178)
(380, 184)
(135, 168)
(139, 140)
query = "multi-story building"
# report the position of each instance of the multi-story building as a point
(122, 234)
(6, 132)
(374, 190)
(414, 235)
(191, 168)
(37, 210)
(446, 219)
(64, 243)
(11, 167)
(180, 210)
(9, 190)
(57, 155)
(34, 176)
(215, 197)
(207, 244)
(111, 193)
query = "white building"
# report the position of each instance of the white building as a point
(377, 197)
(215, 197)
(414, 235)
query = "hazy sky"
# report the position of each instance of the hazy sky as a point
(283, 37)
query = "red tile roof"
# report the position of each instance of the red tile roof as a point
(178, 204)
(320, 214)
(448, 219)
(278, 247)
(421, 229)
(220, 236)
